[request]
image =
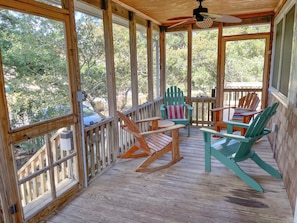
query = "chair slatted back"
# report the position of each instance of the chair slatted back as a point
(132, 127)
(174, 96)
(250, 101)
(255, 131)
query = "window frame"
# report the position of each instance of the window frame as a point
(275, 90)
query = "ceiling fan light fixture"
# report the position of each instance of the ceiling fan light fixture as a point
(206, 23)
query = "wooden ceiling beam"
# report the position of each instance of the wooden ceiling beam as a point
(129, 8)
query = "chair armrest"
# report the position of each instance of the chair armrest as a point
(189, 107)
(148, 120)
(190, 110)
(251, 113)
(266, 131)
(162, 107)
(237, 124)
(163, 111)
(232, 124)
(222, 108)
(225, 135)
(167, 129)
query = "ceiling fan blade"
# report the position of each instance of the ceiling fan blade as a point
(213, 16)
(180, 23)
(228, 19)
(180, 18)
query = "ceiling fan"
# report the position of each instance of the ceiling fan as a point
(203, 19)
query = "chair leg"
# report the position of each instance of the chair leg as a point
(131, 153)
(143, 167)
(269, 169)
(240, 173)
(175, 144)
(207, 152)
(189, 130)
(246, 178)
(207, 160)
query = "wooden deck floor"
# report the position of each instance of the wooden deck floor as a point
(183, 193)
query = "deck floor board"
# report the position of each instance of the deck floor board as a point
(182, 193)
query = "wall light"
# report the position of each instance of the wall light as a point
(66, 139)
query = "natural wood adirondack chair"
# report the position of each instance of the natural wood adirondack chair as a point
(231, 148)
(244, 112)
(153, 144)
(175, 108)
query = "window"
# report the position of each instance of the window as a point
(35, 66)
(176, 60)
(42, 178)
(283, 52)
(122, 66)
(91, 52)
(247, 29)
(278, 41)
(142, 64)
(204, 62)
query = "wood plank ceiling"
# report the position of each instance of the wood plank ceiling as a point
(162, 10)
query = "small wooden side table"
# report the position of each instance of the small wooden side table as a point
(162, 124)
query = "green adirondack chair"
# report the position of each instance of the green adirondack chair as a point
(175, 108)
(231, 149)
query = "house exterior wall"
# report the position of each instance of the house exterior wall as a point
(285, 146)
(284, 141)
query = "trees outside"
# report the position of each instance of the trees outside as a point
(176, 60)
(122, 66)
(142, 65)
(204, 62)
(35, 63)
(90, 38)
(245, 60)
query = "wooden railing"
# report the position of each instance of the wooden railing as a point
(99, 145)
(202, 115)
(40, 172)
(99, 138)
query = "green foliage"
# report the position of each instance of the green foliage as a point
(35, 66)
(35, 62)
(176, 60)
(204, 62)
(91, 57)
(245, 61)
(122, 65)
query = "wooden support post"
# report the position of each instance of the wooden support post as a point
(220, 69)
(189, 71)
(75, 86)
(12, 210)
(150, 59)
(110, 69)
(162, 62)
